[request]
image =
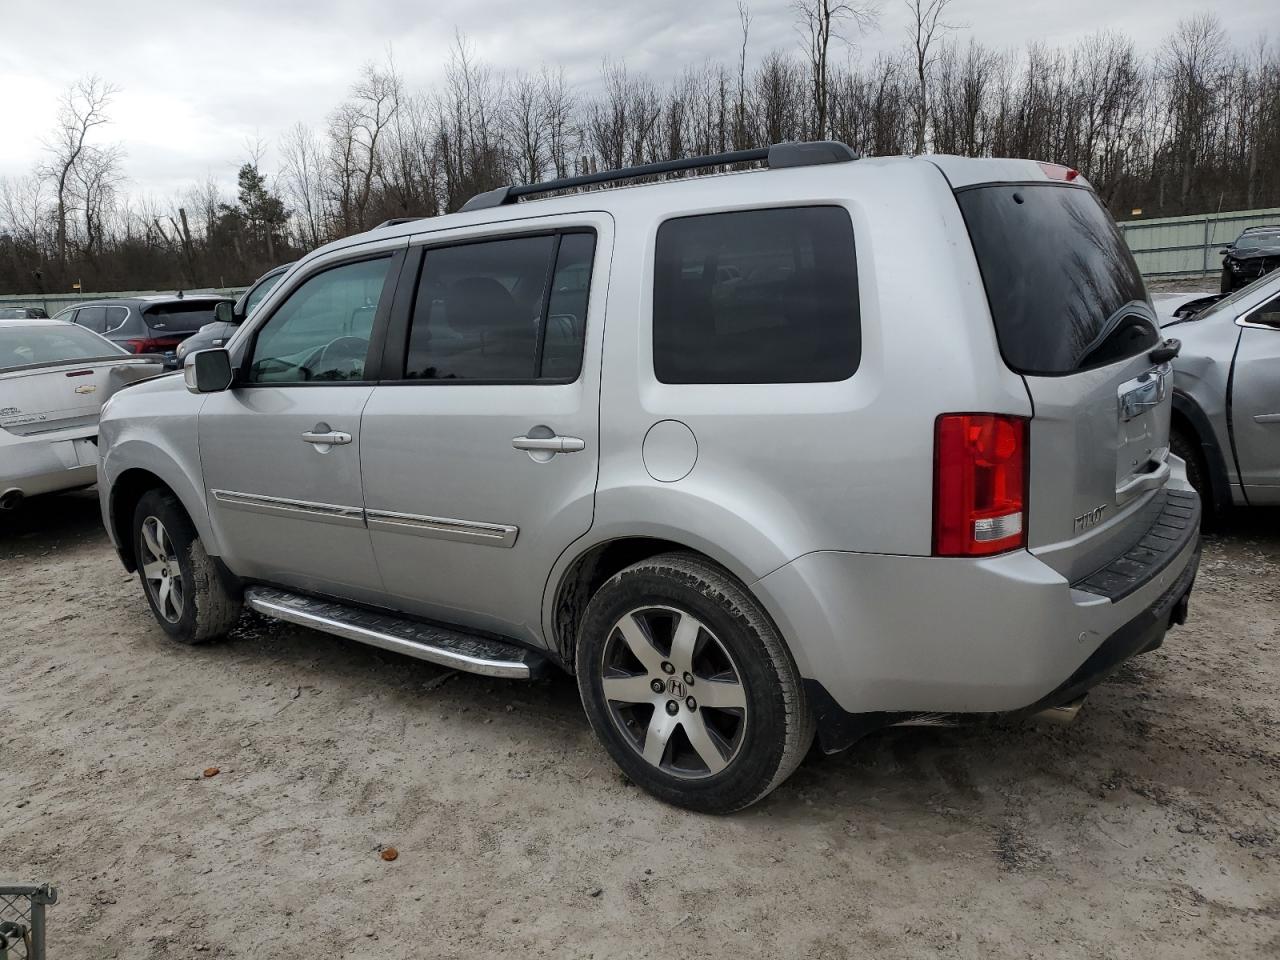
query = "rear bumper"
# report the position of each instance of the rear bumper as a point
(881, 638)
(36, 465)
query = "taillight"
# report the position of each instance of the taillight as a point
(979, 484)
(1056, 171)
(145, 346)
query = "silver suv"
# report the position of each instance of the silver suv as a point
(829, 445)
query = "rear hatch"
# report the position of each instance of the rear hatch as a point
(172, 321)
(1073, 318)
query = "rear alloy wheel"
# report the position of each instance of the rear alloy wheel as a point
(188, 595)
(684, 711)
(688, 685)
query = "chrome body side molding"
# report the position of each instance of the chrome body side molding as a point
(443, 528)
(339, 514)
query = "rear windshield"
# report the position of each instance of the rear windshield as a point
(1056, 269)
(21, 345)
(180, 317)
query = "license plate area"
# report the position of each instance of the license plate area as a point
(1142, 425)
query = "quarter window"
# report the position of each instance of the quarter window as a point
(758, 296)
(321, 332)
(485, 312)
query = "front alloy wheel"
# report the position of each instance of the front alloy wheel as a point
(161, 571)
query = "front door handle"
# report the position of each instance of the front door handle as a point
(549, 444)
(332, 437)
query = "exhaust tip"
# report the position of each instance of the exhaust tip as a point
(10, 499)
(1061, 715)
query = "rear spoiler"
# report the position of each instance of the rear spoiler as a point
(114, 360)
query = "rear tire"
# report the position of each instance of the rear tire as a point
(185, 589)
(680, 623)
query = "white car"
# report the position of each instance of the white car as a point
(54, 379)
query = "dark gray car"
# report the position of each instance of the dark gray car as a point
(151, 324)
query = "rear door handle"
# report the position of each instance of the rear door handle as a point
(549, 444)
(333, 437)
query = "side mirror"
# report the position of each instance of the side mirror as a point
(225, 312)
(208, 371)
(1223, 251)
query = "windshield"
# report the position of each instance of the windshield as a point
(1249, 242)
(1058, 275)
(257, 293)
(21, 345)
(180, 316)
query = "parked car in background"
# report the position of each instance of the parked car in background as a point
(217, 333)
(705, 443)
(23, 313)
(1255, 252)
(1226, 393)
(151, 324)
(54, 379)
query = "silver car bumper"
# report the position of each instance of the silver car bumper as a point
(47, 463)
(884, 635)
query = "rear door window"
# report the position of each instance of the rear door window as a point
(92, 318)
(505, 311)
(1064, 290)
(756, 296)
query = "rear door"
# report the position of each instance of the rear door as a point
(1072, 316)
(1255, 404)
(480, 446)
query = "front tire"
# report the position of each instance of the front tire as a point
(186, 592)
(689, 687)
(1228, 281)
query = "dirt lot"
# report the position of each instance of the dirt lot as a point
(1150, 828)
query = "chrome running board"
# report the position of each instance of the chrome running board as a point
(441, 645)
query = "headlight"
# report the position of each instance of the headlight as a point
(1236, 266)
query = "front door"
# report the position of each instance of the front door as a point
(1255, 404)
(281, 449)
(480, 446)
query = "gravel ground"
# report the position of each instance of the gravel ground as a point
(1149, 828)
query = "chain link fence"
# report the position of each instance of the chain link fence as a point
(22, 929)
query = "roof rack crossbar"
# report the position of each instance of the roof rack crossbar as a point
(778, 156)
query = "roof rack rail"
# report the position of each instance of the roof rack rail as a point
(395, 221)
(778, 156)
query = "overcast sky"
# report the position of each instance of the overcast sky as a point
(198, 80)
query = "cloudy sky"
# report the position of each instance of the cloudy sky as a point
(199, 80)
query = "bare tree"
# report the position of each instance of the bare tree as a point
(83, 108)
(818, 21)
(923, 30)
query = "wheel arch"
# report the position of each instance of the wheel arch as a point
(148, 468)
(582, 572)
(1191, 420)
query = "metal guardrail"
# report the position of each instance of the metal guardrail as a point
(22, 920)
(53, 302)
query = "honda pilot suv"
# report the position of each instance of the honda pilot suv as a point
(711, 444)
